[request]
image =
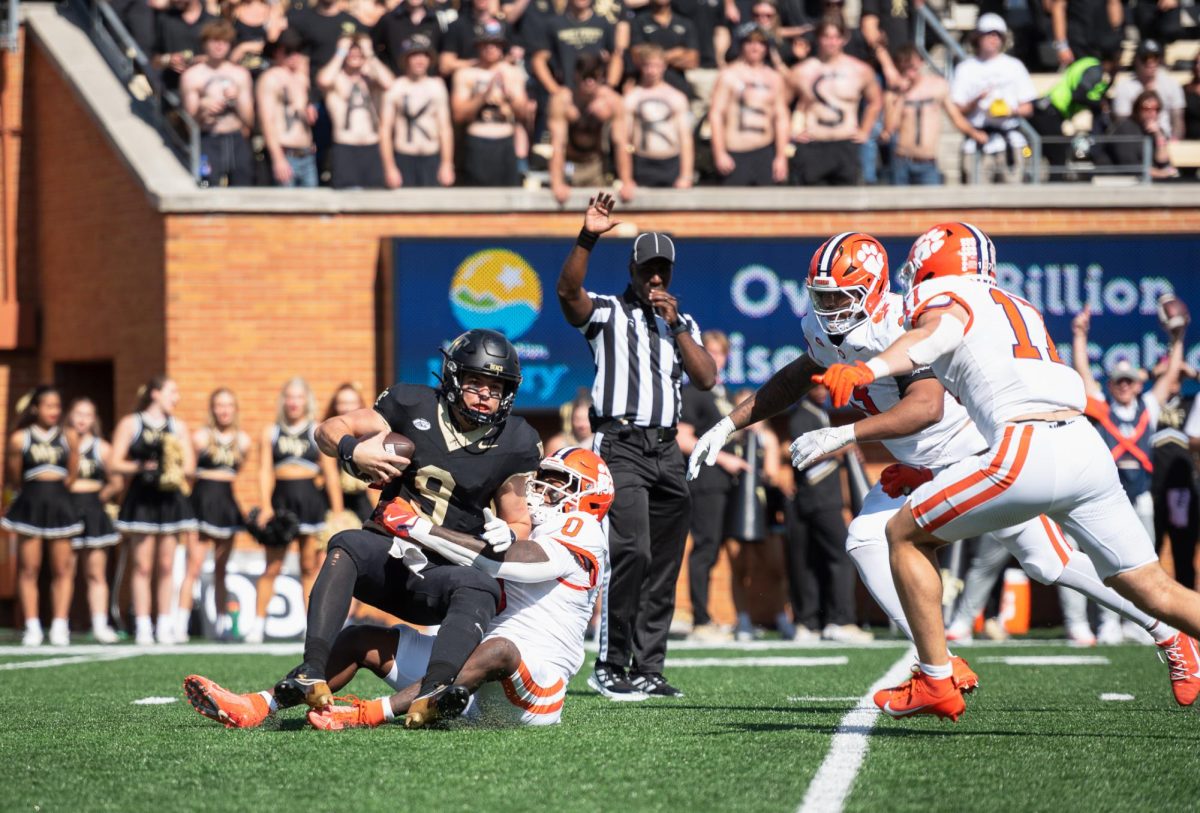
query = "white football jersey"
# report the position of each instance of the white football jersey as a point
(547, 620)
(948, 441)
(1007, 366)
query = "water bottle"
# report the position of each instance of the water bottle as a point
(233, 609)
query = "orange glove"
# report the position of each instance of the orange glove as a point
(901, 480)
(842, 380)
(398, 517)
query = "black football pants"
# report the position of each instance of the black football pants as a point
(647, 531)
(821, 574)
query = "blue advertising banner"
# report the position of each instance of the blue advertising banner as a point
(753, 289)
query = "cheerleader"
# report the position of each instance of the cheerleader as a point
(220, 450)
(289, 467)
(152, 448)
(91, 489)
(353, 492)
(38, 459)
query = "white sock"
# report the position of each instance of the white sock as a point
(875, 570)
(99, 621)
(270, 698)
(33, 624)
(1080, 574)
(164, 624)
(59, 625)
(182, 617)
(388, 714)
(142, 624)
(938, 672)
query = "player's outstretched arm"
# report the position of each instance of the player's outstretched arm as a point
(782, 390)
(936, 333)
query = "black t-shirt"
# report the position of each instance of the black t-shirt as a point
(678, 33)
(1191, 114)
(397, 26)
(1088, 30)
(321, 34)
(460, 37)
(453, 475)
(529, 31)
(705, 15)
(566, 38)
(818, 487)
(175, 35)
(703, 410)
(896, 20)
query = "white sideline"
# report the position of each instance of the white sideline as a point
(835, 778)
(1046, 660)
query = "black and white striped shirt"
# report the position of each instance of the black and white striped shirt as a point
(638, 366)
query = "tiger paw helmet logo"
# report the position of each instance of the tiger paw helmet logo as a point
(870, 258)
(927, 245)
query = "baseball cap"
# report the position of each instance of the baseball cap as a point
(1124, 371)
(1148, 48)
(416, 44)
(491, 31)
(991, 24)
(651, 246)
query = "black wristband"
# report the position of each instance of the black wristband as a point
(682, 327)
(346, 448)
(586, 239)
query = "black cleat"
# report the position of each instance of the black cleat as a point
(304, 684)
(654, 685)
(453, 702)
(611, 682)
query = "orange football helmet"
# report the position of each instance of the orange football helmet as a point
(847, 279)
(949, 250)
(588, 487)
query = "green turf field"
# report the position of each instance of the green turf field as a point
(749, 736)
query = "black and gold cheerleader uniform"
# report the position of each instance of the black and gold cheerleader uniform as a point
(149, 509)
(43, 508)
(216, 510)
(300, 497)
(98, 530)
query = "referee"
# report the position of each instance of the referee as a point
(642, 345)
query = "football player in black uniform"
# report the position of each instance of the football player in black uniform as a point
(469, 453)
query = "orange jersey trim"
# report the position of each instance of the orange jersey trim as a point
(994, 491)
(593, 576)
(922, 308)
(969, 480)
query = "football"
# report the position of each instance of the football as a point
(399, 445)
(1173, 314)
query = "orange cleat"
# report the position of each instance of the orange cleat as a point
(922, 695)
(347, 711)
(964, 677)
(227, 708)
(1183, 660)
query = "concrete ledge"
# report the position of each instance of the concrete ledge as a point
(701, 199)
(134, 139)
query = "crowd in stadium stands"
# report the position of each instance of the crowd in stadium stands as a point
(157, 484)
(655, 93)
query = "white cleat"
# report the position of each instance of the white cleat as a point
(32, 637)
(105, 635)
(59, 636)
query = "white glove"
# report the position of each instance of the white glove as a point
(709, 446)
(818, 443)
(496, 532)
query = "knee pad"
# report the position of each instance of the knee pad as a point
(1042, 567)
(866, 530)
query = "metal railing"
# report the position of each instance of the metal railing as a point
(928, 24)
(161, 105)
(10, 22)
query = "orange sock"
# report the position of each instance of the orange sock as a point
(376, 711)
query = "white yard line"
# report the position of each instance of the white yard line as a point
(831, 786)
(1046, 660)
(801, 698)
(832, 660)
(1117, 697)
(45, 663)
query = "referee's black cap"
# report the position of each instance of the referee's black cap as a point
(653, 245)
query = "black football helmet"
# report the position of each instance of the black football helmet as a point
(486, 352)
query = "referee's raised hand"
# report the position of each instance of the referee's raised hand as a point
(598, 218)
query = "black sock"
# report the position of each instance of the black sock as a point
(328, 606)
(462, 629)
